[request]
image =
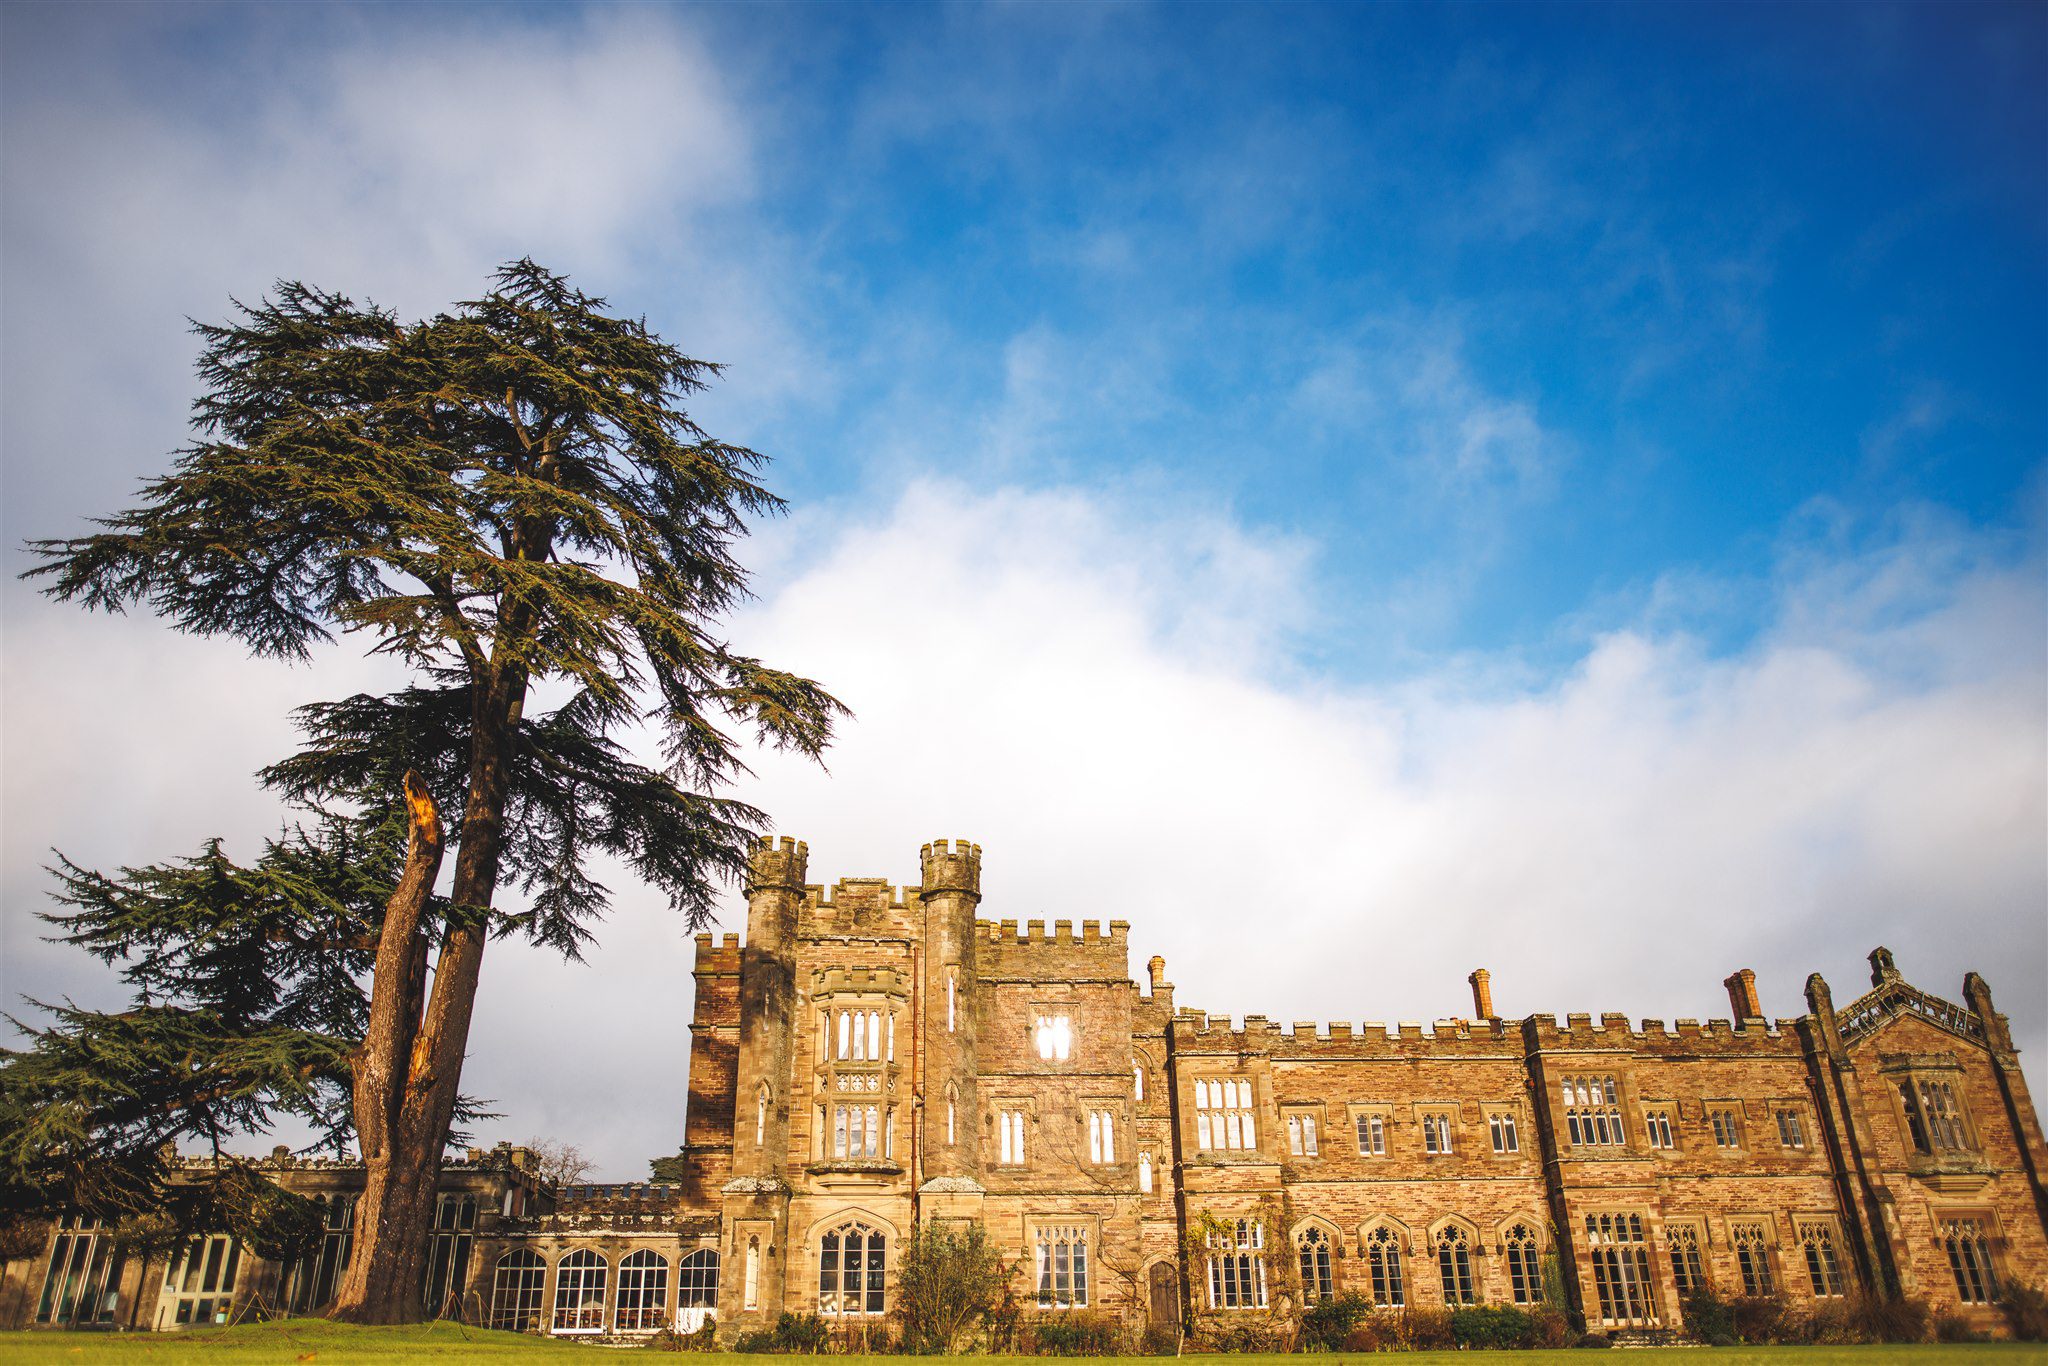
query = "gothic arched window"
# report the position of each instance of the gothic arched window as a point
(1314, 1248)
(1454, 1266)
(850, 1261)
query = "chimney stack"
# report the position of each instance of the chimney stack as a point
(1482, 994)
(1742, 995)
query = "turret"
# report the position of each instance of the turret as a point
(775, 892)
(950, 1140)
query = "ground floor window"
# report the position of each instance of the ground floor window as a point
(643, 1292)
(1621, 1267)
(1753, 1256)
(518, 1285)
(1062, 1261)
(1237, 1266)
(448, 1255)
(1525, 1270)
(850, 1262)
(1823, 1266)
(1969, 1260)
(579, 1292)
(1383, 1260)
(84, 1275)
(1688, 1267)
(697, 1280)
(1454, 1266)
(1316, 1281)
(199, 1287)
(312, 1279)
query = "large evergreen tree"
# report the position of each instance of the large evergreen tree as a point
(506, 495)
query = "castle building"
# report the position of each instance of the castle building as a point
(869, 1057)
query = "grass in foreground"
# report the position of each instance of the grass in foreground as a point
(320, 1342)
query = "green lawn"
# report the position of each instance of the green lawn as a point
(313, 1340)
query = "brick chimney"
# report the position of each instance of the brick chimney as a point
(1482, 994)
(1742, 995)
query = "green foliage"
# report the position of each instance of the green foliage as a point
(1710, 1319)
(1327, 1323)
(504, 495)
(1494, 1326)
(1952, 1327)
(951, 1282)
(668, 1170)
(247, 1002)
(802, 1334)
(1075, 1335)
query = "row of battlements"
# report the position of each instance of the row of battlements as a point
(1610, 1030)
(1033, 931)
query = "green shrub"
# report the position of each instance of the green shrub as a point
(1594, 1340)
(705, 1339)
(1376, 1332)
(2026, 1312)
(1890, 1318)
(1241, 1337)
(800, 1333)
(951, 1282)
(1496, 1326)
(1329, 1322)
(1075, 1335)
(1709, 1319)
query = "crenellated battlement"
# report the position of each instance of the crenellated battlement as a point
(722, 956)
(1092, 950)
(859, 895)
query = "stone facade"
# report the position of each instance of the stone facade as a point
(871, 1056)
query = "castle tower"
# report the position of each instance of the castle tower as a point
(950, 1139)
(757, 1198)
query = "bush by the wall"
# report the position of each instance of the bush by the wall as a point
(1329, 1322)
(1549, 1327)
(1253, 1337)
(1709, 1319)
(1074, 1335)
(2026, 1312)
(1426, 1330)
(1762, 1319)
(799, 1333)
(1496, 1326)
(1161, 1340)
(1955, 1328)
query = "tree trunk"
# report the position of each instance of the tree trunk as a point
(414, 1071)
(379, 1287)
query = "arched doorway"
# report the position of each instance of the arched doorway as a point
(1163, 1308)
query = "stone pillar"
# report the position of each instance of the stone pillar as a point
(1867, 1205)
(950, 1164)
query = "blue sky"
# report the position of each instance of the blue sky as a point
(1580, 466)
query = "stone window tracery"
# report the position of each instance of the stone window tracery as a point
(1791, 1129)
(1237, 1266)
(1657, 1125)
(1593, 1112)
(1454, 1266)
(1727, 1129)
(1383, 1262)
(1969, 1260)
(1313, 1247)
(1062, 1262)
(850, 1270)
(1223, 1116)
(1753, 1257)
(311, 1280)
(1823, 1266)
(1372, 1136)
(1621, 1267)
(1301, 1135)
(1525, 1265)
(1501, 1126)
(1436, 1135)
(697, 1280)
(1688, 1266)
